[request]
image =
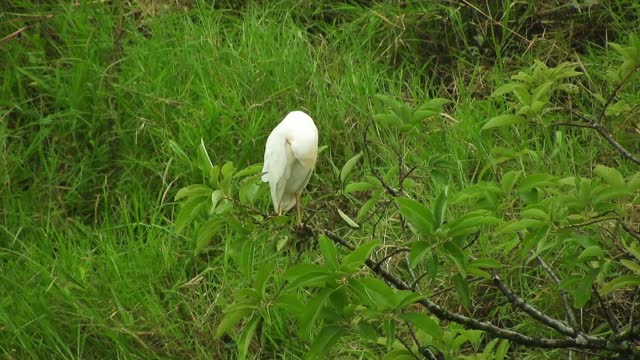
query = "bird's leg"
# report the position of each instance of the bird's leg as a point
(298, 209)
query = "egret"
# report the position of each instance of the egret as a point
(289, 159)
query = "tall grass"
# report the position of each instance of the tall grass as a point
(102, 107)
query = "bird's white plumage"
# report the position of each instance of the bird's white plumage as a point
(289, 158)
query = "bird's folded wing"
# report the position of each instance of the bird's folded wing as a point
(275, 168)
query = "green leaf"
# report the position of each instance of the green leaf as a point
(618, 108)
(502, 120)
(418, 251)
(398, 354)
(611, 175)
(282, 243)
(227, 169)
(620, 282)
(591, 251)
(348, 167)
(230, 319)
(311, 313)
(347, 219)
(389, 328)
(440, 207)
(358, 256)
(418, 215)
(542, 92)
(261, 277)
(214, 173)
(329, 251)
(203, 159)
(389, 102)
(248, 171)
(367, 206)
(302, 269)
(612, 193)
(424, 323)
(524, 97)
(408, 297)
(324, 341)
(535, 213)
(507, 88)
(432, 266)
(359, 186)
(206, 233)
(583, 289)
(470, 222)
(434, 103)
(453, 252)
(518, 225)
(631, 265)
(509, 180)
(247, 334)
(502, 349)
(381, 293)
(536, 181)
(485, 263)
(193, 191)
(462, 288)
(188, 211)
(216, 196)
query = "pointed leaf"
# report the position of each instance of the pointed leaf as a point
(358, 256)
(620, 282)
(324, 341)
(423, 322)
(348, 167)
(502, 120)
(232, 318)
(347, 219)
(440, 207)
(418, 251)
(359, 186)
(462, 288)
(611, 175)
(247, 334)
(193, 191)
(418, 215)
(329, 251)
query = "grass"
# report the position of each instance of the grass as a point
(102, 108)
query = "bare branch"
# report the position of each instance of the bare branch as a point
(607, 311)
(615, 91)
(565, 298)
(629, 230)
(580, 342)
(532, 311)
(391, 254)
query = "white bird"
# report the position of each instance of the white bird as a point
(289, 159)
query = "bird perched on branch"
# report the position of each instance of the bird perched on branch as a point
(289, 159)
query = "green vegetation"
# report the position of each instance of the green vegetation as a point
(470, 150)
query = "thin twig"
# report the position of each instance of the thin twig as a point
(607, 311)
(563, 294)
(629, 230)
(391, 254)
(615, 91)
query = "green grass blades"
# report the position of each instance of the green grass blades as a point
(107, 110)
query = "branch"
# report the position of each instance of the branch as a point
(607, 311)
(615, 91)
(532, 311)
(595, 343)
(565, 299)
(629, 230)
(391, 254)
